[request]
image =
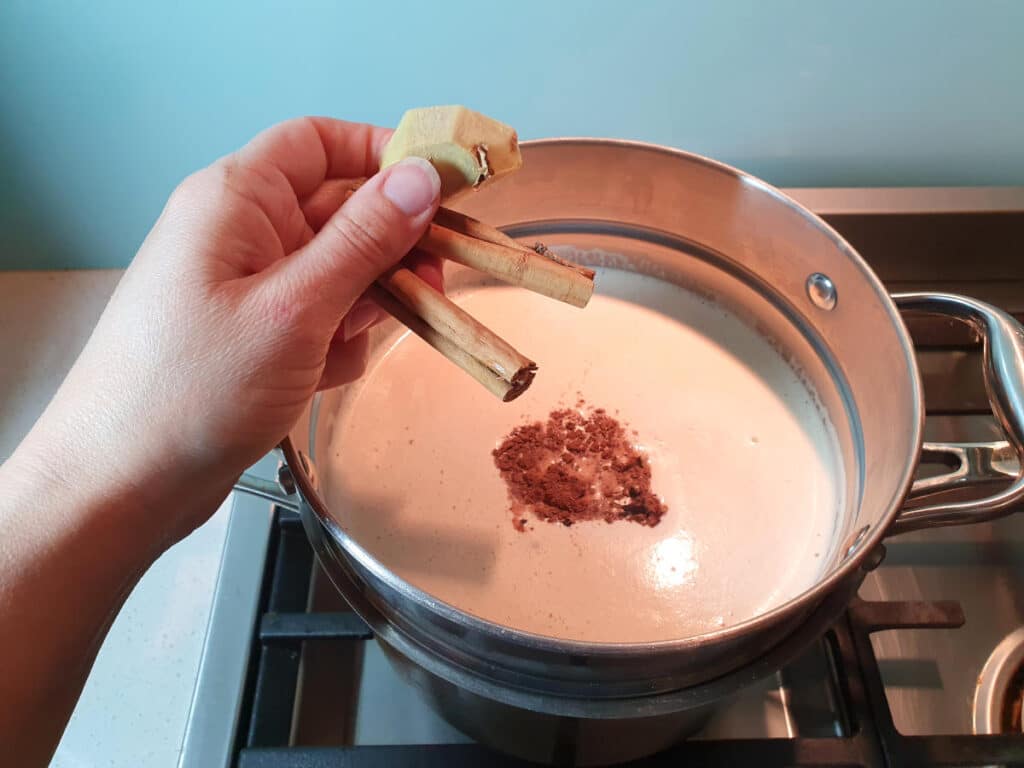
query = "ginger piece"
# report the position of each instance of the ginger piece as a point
(466, 147)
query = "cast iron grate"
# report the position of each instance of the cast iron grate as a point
(872, 738)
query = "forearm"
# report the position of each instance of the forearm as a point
(73, 543)
(231, 316)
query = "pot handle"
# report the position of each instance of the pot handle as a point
(968, 463)
(1003, 359)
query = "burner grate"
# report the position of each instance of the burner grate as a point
(872, 739)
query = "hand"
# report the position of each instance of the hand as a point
(241, 302)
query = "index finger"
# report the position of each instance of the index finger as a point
(310, 150)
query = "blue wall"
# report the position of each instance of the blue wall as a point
(104, 107)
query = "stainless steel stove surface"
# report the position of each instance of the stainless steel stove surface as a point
(317, 692)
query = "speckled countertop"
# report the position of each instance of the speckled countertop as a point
(136, 703)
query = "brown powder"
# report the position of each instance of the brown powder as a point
(577, 466)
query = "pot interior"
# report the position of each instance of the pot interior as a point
(850, 362)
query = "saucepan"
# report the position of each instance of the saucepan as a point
(685, 218)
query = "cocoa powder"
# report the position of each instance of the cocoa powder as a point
(577, 465)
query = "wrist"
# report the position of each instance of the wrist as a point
(154, 496)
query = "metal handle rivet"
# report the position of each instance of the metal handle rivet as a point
(285, 479)
(855, 541)
(822, 291)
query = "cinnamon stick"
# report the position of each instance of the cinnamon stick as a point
(470, 242)
(511, 263)
(451, 330)
(467, 225)
(454, 333)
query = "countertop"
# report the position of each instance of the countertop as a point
(135, 706)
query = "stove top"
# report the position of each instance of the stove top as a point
(893, 683)
(313, 696)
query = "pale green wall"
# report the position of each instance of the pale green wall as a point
(104, 107)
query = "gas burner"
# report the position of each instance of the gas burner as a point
(1000, 692)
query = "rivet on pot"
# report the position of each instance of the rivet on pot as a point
(285, 479)
(874, 558)
(855, 542)
(822, 291)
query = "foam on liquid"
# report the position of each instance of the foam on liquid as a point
(739, 451)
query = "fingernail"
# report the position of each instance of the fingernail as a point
(412, 185)
(359, 319)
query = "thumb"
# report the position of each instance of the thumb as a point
(368, 234)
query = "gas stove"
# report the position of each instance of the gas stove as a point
(923, 669)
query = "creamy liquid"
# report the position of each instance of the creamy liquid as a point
(739, 451)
